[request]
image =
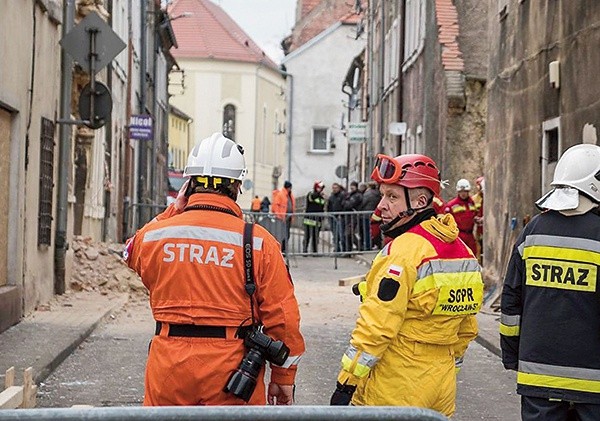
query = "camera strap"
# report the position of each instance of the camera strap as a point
(250, 285)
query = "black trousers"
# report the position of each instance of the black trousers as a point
(311, 232)
(541, 409)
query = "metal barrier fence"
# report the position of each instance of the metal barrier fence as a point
(327, 234)
(266, 413)
(330, 234)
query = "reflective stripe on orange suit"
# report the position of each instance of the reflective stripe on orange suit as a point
(404, 345)
(192, 265)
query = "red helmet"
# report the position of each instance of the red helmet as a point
(318, 185)
(410, 171)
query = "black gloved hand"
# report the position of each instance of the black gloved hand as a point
(342, 395)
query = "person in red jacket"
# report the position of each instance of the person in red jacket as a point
(464, 211)
(192, 259)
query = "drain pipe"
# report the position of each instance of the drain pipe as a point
(290, 117)
(64, 152)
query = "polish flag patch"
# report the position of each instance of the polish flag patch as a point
(395, 270)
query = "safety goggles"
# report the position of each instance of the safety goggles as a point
(386, 170)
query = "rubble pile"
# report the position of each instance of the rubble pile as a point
(99, 267)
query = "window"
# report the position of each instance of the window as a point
(391, 49)
(46, 182)
(414, 31)
(320, 139)
(229, 121)
(551, 147)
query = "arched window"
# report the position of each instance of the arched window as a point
(229, 121)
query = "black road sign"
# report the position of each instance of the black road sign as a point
(102, 105)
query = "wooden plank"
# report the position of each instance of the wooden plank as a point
(344, 282)
(29, 389)
(11, 398)
(9, 380)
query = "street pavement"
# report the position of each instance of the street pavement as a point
(45, 338)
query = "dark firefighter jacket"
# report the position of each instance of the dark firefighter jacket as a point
(315, 203)
(550, 322)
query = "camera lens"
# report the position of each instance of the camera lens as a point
(277, 352)
(243, 381)
(274, 351)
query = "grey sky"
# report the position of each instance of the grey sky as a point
(267, 22)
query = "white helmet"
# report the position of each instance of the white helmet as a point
(217, 156)
(579, 168)
(463, 185)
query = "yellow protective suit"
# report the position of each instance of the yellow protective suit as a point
(417, 319)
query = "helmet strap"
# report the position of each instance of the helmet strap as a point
(385, 228)
(207, 184)
(419, 217)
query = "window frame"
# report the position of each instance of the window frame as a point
(46, 186)
(230, 132)
(327, 140)
(547, 127)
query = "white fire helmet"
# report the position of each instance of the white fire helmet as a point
(217, 156)
(463, 185)
(576, 180)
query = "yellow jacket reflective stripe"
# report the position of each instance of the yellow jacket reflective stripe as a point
(510, 325)
(559, 377)
(562, 242)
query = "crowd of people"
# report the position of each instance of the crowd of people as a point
(354, 217)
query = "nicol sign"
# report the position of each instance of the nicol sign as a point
(141, 127)
(357, 132)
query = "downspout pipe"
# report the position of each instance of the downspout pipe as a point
(64, 152)
(369, 89)
(142, 146)
(400, 101)
(156, 136)
(290, 114)
(290, 121)
(381, 69)
(349, 119)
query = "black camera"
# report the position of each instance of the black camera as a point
(261, 348)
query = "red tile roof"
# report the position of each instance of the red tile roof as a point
(322, 15)
(447, 20)
(307, 6)
(211, 33)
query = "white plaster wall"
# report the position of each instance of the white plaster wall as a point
(260, 88)
(318, 72)
(29, 265)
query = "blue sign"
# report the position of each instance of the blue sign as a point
(141, 127)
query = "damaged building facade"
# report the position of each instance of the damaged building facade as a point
(62, 180)
(543, 98)
(423, 88)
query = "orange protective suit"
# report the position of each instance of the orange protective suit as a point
(280, 202)
(192, 264)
